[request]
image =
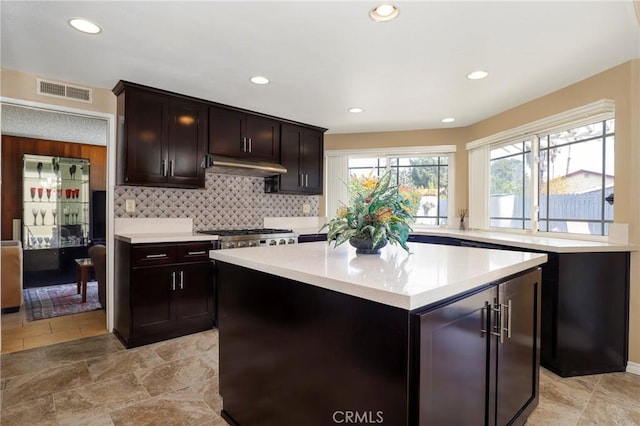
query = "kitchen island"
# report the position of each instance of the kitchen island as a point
(315, 335)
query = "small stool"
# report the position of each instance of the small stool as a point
(83, 268)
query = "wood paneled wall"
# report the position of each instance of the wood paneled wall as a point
(13, 150)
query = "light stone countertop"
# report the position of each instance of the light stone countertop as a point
(534, 242)
(431, 274)
(157, 230)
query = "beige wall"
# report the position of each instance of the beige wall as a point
(19, 85)
(621, 84)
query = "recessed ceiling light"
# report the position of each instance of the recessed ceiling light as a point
(85, 25)
(477, 75)
(259, 80)
(384, 12)
(355, 110)
(448, 120)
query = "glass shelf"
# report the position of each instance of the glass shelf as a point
(56, 202)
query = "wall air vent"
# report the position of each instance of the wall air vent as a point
(60, 90)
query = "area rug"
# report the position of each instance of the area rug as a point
(59, 300)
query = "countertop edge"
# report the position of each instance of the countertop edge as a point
(164, 238)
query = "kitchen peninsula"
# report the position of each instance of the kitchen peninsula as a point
(312, 335)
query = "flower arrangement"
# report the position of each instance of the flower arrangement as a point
(377, 212)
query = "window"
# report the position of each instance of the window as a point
(574, 176)
(509, 186)
(427, 176)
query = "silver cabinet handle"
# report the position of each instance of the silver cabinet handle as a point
(173, 281)
(508, 329)
(301, 179)
(306, 180)
(196, 253)
(155, 256)
(244, 144)
(502, 318)
(496, 326)
(164, 167)
(181, 280)
(249, 144)
(171, 168)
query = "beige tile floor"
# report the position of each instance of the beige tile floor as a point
(95, 381)
(19, 334)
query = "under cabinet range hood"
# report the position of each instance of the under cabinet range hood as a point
(238, 166)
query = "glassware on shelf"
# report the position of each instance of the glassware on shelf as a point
(68, 193)
(65, 212)
(72, 171)
(46, 241)
(39, 168)
(54, 212)
(59, 193)
(39, 241)
(32, 241)
(34, 211)
(43, 213)
(33, 193)
(40, 193)
(48, 194)
(76, 193)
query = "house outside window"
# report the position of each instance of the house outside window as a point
(573, 174)
(427, 176)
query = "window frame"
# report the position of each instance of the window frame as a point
(337, 173)
(479, 164)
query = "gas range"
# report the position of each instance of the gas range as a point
(236, 238)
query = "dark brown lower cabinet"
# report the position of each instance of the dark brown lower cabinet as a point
(293, 353)
(165, 292)
(479, 356)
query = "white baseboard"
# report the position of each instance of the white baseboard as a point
(633, 368)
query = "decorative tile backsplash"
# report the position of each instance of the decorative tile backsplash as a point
(227, 201)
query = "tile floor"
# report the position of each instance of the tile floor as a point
(95, 381)
(19, 334)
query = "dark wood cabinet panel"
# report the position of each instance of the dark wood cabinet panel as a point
(188, 136)
(162, 139)
(152, 308)
(454, 352)
(147, 138)
(195, 296)
(239, 134)
(162, 291)
(302, 154)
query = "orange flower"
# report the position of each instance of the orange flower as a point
(384, 214)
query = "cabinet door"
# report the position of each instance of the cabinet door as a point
(263, 138)
(188, 142)
(311, 155)
(194, 293)
(226, 132)
(452, 388)
(152, 307)
(519, 354)
(290, 143)
(147, 137)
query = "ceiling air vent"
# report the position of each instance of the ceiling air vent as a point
(59, 90)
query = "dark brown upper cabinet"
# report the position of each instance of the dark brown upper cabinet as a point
(301, 153)
(239, 134)
(162, 138)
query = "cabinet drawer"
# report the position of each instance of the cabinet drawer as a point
(149, 255)
(194, 252)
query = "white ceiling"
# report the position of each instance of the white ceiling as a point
(323, 57)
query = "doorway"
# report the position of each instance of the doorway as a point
(18, 332)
